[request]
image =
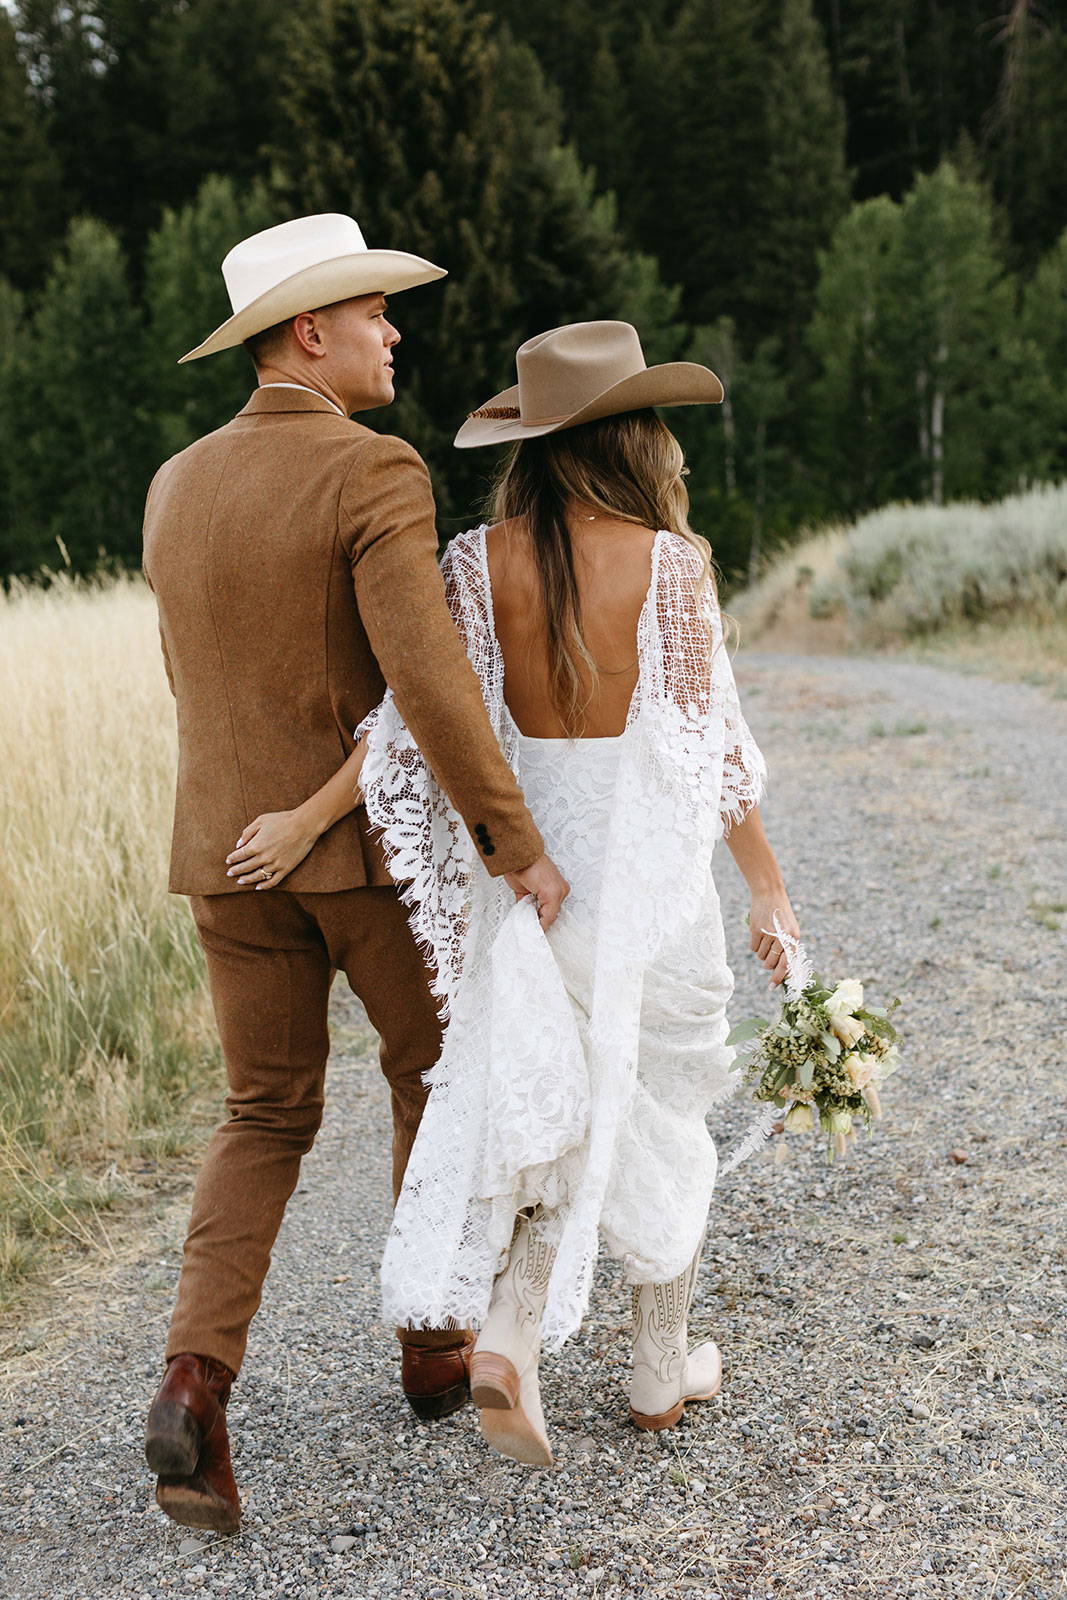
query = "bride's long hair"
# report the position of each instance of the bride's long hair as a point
(628, 466)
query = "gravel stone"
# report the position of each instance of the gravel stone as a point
(892, 1326)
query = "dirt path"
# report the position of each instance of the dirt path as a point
(892, 1418)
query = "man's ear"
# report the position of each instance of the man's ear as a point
(308, 334)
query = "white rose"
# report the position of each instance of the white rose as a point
(862, 1069)
(840, 1121)
(849, 1030)
(889, 1062)
(800, 1119)
(846, 998)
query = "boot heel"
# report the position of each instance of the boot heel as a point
(172, 1440)
(655, 1424)
(494, 1382)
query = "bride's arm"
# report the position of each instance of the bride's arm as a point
(278, 841)
(743, 776)
(751, 849)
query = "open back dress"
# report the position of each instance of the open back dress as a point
(578, 1064)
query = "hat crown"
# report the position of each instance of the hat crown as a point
(265, 260)
(565, 369)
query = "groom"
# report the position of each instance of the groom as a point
(293, 555)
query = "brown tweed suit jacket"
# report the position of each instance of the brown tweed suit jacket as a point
(293, 555)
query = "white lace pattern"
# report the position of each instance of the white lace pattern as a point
(578, 1066)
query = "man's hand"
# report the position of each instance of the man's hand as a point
(546, 883)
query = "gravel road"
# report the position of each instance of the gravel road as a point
(892, 1416)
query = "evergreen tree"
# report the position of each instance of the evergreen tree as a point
(1044, 330)
(605, 130)
(145, 98)
(856, 422)
(716, 347)
(30, 202)
(1026, 127)
(186, 297)
(929, 386)
(953, 332)
(441, 136)
(89, 451)
(739, 464)
(760, 398)
(708, 435)
(913, 76)
(700, 201)
(805, 185)
(599, 55)
(62, 47)
(220, 60)
(19, 550)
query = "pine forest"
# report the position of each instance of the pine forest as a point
(854, 210)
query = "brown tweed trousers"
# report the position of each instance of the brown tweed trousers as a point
(293, 555)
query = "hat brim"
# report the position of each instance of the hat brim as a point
(343, 278)
(673, 383)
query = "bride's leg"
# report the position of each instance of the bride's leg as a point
(666, 1373)
(504, 1383)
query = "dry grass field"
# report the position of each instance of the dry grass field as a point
(103, 1025)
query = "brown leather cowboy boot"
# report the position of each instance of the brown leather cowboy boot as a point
(187, 1445)
(436, 1382)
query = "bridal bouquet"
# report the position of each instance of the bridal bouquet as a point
(823, 1058)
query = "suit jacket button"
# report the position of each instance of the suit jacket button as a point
(489, 849)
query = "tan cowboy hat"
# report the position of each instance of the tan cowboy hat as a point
(579, 373)
(301, 265)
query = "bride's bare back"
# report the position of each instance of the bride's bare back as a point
(613, 565)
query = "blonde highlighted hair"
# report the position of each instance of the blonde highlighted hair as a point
(629, 467)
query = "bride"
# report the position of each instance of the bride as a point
(580, 1060)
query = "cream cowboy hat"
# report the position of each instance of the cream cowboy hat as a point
(579, 373)
(301, 265)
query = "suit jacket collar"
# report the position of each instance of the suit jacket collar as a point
(264, 401)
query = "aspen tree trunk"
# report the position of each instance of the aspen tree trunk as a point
(937, 429)
(867, 406)
(729, 434)
(755, 549)
(907, 101)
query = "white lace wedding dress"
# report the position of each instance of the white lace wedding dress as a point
(578, 1066)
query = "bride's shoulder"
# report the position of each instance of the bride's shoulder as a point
(466, 545)
(679, 555)
(678, 545)
(500, 533)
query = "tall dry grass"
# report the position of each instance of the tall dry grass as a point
(103, 1019)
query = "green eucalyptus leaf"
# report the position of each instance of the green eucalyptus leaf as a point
(746, 1030)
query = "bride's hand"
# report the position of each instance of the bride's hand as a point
(271, 846)
(766, 945)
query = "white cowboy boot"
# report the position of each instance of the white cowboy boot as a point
(666, 1374)
(504, 1383)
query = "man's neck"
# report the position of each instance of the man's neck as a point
(301, 380)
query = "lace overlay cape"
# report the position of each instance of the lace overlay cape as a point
(531, 1090)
